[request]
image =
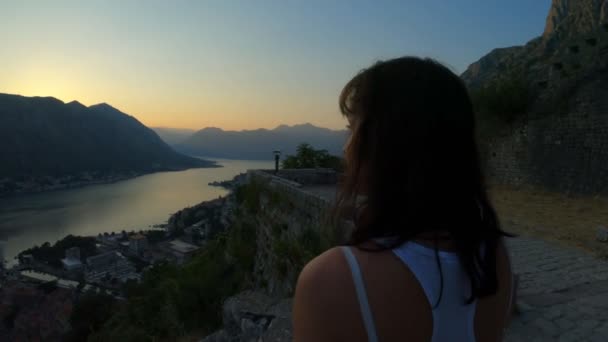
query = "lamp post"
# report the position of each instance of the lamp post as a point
(277, 156)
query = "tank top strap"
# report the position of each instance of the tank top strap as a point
(366, 311)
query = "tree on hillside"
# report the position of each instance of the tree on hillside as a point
(505, 98)
(90, 313)
(500, 103)
(307, 157)
(52, 254)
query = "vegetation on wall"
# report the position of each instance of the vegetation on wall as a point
(291, 248)
(501, 102)
(292, 254)
(307, 157)
(248, 196)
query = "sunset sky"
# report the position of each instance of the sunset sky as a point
(238, 64)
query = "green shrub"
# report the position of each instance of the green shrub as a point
(275, 198)
(53, 254)
(281, 248)
(248, 196)
(276, 230)
(90, 312)
(282, 267)
(501, 102)
(307, 157)
(296, 253)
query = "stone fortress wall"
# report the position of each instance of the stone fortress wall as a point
(290, 212)
(577, 54)
(293, 184)
(565, 150)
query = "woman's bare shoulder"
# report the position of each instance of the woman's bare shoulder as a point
(322, 295)
(326, 271)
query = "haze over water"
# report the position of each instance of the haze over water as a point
(132, 204)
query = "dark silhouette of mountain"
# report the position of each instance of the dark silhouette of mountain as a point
(260, 143)
(42, 136)
(173, 136)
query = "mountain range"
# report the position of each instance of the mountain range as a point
(173, 136)
(43, 136)
(255, 144)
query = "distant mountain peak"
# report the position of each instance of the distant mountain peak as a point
(259, 143)
(211, 129)
(76, 104)
(306, 125)
(46, 99)
(281, 127)
(102, 105)
(108, 109)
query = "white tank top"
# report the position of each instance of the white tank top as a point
(453, 319)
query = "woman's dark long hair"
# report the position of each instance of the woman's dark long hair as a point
(412, 164)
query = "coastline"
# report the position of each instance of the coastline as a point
(161, 223)
(31, 190)
(177, 226)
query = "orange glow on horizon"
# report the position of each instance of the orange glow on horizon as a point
(186, 117)
(234, 64)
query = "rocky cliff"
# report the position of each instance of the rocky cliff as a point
(573, 29)
(560, 141)
(568, 18)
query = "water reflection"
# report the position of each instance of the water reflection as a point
(128, 205)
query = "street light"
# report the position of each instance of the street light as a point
(277, 156)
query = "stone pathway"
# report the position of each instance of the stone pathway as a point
(562, 295)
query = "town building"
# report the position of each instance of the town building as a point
(26, 259)
(138, 243)
(182, 251)
(109, 265)
(71, 262)
(73, 253)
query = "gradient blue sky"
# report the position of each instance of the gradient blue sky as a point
(238, 64)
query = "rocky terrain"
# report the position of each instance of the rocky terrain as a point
(254, 316)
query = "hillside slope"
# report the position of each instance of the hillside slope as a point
(44, 137)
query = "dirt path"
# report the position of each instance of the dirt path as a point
(572, 221)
